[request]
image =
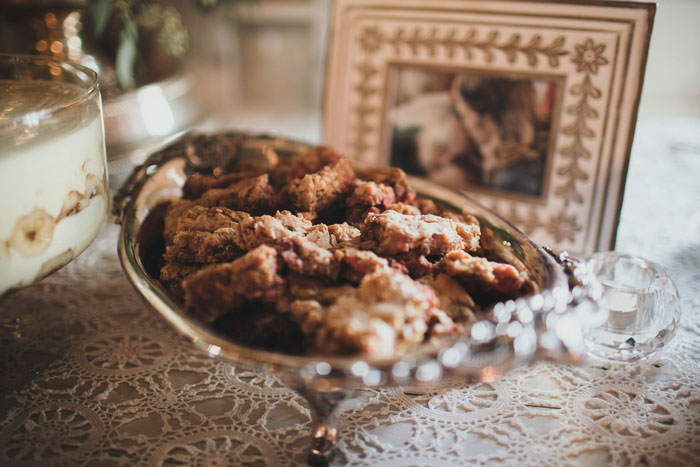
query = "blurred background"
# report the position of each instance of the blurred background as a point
(256, 65)
(262, 66)
(275, 50)
(274, 53)
(672, 81)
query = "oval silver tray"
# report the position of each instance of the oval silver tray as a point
(548, 324)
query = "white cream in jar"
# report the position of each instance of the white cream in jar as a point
(53, 179)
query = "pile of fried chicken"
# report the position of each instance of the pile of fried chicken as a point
(314, 256)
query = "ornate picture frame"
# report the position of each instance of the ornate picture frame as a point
(569, 74)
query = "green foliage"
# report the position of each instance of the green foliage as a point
(101, 11)
(207, 4)
(127, 52)
(172, 36)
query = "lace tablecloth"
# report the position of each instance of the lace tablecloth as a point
(121, 388)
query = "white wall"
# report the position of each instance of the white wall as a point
(672, 81)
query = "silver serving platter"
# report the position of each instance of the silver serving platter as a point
(548, 324)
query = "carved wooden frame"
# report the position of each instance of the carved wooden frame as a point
(597, 49)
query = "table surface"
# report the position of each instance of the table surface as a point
(120, 388)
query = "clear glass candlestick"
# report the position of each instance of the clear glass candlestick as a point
(643, 308)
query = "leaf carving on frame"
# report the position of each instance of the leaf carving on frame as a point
(563, 226)
(528, 223)
(397, 40)
(365, 89)
(511, 48)
(588, 59)
(449, 43)
(363, 110)
(554, 50)
(432, 40)
(371, 39)
(560, 226)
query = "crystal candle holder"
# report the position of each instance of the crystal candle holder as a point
(643, 308)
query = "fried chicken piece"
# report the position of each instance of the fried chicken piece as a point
(427, 234)
(415, 265)
(260, 325)
(310, 315)
(454, 300)
(209, 219)
(172, 213)
(297, 252)
(368, 197)
(206, 235)
(331, 237)
(344, 235)
(495, 250)
(270, 230)
(256, 231)
(204, 247)
(305, 257)
(307, 298)
(484, 279)
(322, 189)
(427, 206)
(293, 222)
(197, 184)
(463, 218)
(292, 168)
(387, 314)
(403, 208)
(212, 151)
(221, 288)
(253, 195)
(356, 264)
(310, 288)
(308, 215)
(255, 156)
(173, 273)
(356, 215)
(320, 235)
(392, 176)
(371, 194)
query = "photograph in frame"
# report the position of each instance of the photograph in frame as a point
(471, 130)
(527, 106)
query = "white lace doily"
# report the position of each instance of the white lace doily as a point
(125, 390)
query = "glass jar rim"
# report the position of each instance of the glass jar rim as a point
(86, 80)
